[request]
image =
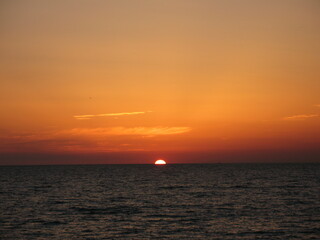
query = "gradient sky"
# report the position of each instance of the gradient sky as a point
(161, 77)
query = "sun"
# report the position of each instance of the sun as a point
(160, 162)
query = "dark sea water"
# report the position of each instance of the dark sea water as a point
(214, 201)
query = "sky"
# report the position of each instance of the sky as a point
(130, 81)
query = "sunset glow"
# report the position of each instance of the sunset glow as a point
(97, 97)
(170, 78)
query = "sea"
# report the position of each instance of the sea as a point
(173, 201)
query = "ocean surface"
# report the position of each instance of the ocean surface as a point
(200, 201)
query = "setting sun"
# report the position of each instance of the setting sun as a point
(160, 162)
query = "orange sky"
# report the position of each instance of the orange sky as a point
(159, 77)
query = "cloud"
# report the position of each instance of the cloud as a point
(122, 131)
(91, 133)
(301, 117)
(85, 117)
(86, 139)
(149, 131)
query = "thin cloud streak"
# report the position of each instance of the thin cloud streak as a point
(86, 117)
(122, 131)
(74, 133)
(301, 117)
(87, 139)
